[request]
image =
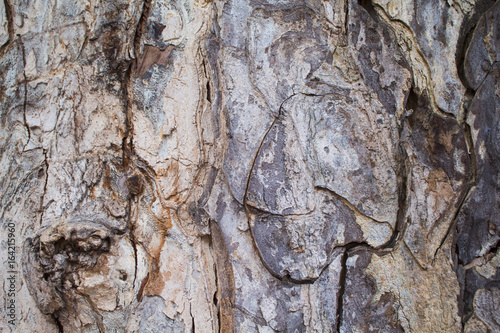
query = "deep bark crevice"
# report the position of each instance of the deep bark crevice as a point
(95, 313)
(193, 325)
(401, 219)
(9, 13)
(127, 85)
(46, 179)
(467, 29)
(25, 83)
(479, 261)
(370, 9)
(58, 323)
(341, 291)
(395, 24)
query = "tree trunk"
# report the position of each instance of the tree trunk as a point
(250, 166)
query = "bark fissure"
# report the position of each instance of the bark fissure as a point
(351, 206)
(341, 292)
(95, 313)
(127, 86)
(25, 83)
(381, 13)
(59, 325)
(453, 224)
(401, 219)
(46, 179)
(254, 160)
(479, 261)
(9, 12)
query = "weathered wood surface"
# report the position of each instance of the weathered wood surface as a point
(250, 166)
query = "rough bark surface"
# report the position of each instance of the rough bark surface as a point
(250, 166)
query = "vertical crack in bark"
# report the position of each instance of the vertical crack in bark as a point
(97, 316)
(254, 160)
(193, 326)
(128, 102)
(407, 41)
(224, 297)
(276, 118)
(134, 245)
(127, 86)
(25, 82)
(58, 323)
(471, 183)
(208, 95)
(42, 208)
(146, 10)
(247, 207)
(468, 97)
(469, 24)
(9, 12)
(215, 297)
(370, 9)
(346, 20)
(402, 181)
(341, 292)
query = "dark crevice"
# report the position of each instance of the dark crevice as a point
(411, 102)
(280, 113)
(466, 32)
(58, 323)
(286, 278)
(403, 170)
(127, 85)
(193, 326)
(479, 261)
(341, 291)
(97, 316)
(140, 293)
(141, 27)
(370, 9)
(348, 203)
(215, 297)
(9, 12)
(208, 91)
(460, 55)
(25, 82)
(343, 41)
(402, 183)
(135, 186)
(453, 225)
(134, 245)
(209, 98)
(127, 101)
(343, 279)
(46, 171)
(219, 323)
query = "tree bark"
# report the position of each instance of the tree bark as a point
(250, 166)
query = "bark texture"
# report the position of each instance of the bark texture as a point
(250, 165)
